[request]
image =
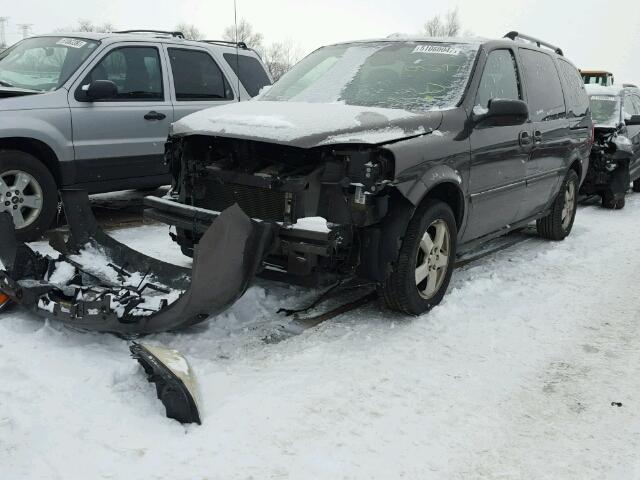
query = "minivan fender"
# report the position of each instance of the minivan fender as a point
(415, 189)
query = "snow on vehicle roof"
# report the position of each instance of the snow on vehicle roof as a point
(145, 36)
(401, 37)
(613, 90)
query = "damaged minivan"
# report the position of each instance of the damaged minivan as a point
(615, 156)
(384, 159)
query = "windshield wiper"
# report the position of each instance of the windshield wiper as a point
(6, 84)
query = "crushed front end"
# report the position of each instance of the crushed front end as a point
(608, 174)
(323, 202)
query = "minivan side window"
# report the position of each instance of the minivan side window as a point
(575, 93)
(249, 70)
(136, 72)
(544, 92)
(499, 79)
(196, 76)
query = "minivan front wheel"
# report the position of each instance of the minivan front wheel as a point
(557, 225)
(422, 272)
(28, 193)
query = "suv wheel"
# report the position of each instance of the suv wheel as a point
(636, 185)
(422, 272)
(557, 225)
(610, 201)
(28, 192)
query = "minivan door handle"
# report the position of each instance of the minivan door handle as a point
(537, 136)
(153, 115)
(524, 138)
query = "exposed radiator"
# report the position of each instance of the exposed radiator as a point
(256, 202)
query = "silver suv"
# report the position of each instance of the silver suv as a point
(89, 110)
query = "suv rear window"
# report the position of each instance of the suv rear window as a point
(196, 76)
(250, 72)
(575, 94)
(544, 92)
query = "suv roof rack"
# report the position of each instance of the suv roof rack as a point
(163, 32)
(241, 45)
(515, 35)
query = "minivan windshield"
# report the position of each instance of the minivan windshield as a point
(43, 63)
(414, 76)
(605, 110)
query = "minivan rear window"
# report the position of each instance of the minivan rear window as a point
(250, 72)
(544, 92)
(575, 93)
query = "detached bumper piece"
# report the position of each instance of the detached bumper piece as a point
(173, 378)
(97, 283)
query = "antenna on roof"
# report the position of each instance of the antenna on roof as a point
(235, 21)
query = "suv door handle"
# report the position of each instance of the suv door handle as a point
(524, 138)
(153, 115)
(537, 136)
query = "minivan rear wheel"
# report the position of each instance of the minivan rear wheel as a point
(558, 224)
(423, 269)
(28, 192)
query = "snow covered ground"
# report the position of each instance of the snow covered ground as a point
(512, 377)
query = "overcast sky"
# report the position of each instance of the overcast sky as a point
(593, 33)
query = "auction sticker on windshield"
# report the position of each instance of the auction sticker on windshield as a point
(71, 42)
(441, 49)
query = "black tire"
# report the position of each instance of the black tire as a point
(636, 185)
(553, 226)
(400, 290)
(610, 201)
(15, 160)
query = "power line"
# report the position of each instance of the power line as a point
(3, 32)
(25, 28)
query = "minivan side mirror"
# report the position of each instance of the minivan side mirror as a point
(504, 111)
(101, 90)
(634, 120)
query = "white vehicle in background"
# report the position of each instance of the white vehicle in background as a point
(597, 77)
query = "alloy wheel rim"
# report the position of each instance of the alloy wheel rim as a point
(569, 205)
(432, 259)
(21, 196)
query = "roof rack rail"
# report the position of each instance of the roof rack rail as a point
(515, 35)
(241, 45)
(163, 32)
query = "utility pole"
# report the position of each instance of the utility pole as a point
(3, 32)
(26, 29)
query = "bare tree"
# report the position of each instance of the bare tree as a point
(245, 33)
(280, 57)
(85, 25)
(452, 23)
(449, 27)
(433, 27)
(190, 31)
